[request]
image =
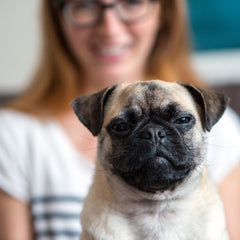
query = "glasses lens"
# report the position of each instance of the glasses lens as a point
(132, 10)
(82, 12)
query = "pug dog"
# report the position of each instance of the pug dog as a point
(151, 181)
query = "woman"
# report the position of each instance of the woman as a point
(46, 155)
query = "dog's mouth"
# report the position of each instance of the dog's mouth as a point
(156, 174)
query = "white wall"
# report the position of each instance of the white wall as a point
(20, 41)
(218, 67)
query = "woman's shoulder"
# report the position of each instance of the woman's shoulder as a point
(13, 119)
(21, 131)
(14, 125)
(229, 124)
(9, 114)
(20, 123)
(232, 116)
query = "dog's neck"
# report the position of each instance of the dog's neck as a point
(150, 215)
(127, 199)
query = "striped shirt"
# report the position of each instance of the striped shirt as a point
(39, 166)
(57, 216)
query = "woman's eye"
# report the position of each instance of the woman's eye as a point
(132, 2)
(183, 120)
(120, 127)
(81, 5)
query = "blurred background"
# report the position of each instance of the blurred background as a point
(214, 29)
(215, 33)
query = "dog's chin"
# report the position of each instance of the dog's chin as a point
(157, 175)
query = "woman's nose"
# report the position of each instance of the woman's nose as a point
(110, 23)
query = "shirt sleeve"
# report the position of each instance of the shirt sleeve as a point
(224, 146)
(14, 158)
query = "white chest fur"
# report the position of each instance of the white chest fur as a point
(195, 213)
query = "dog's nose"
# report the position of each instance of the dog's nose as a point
(154, 134)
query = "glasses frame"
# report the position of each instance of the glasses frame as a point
(68, 18)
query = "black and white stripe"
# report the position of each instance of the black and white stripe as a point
(57, 217)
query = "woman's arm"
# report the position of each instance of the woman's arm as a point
(229, 191)
(15, 219)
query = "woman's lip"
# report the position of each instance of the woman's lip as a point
(108, 51)
(111, 53)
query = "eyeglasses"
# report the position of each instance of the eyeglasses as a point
(88, 13)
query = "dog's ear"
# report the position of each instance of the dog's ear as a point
(90, 109)
(213, 104)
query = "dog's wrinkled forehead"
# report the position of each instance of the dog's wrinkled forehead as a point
(147, 96)
(144, 95)
(97, 109)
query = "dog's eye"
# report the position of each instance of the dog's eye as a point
(183, 120)
(120, 127)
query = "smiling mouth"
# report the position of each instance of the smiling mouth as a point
(111, 51)
(106, 51)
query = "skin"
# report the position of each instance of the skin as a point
(101, 71)
(15, 219)
(229, 191)
(127, 47)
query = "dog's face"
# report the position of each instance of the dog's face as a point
(151, 134)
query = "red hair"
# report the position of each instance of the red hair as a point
(58, 77)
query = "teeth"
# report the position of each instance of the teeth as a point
(111, 50)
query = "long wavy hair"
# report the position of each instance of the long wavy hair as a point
(57, 79)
